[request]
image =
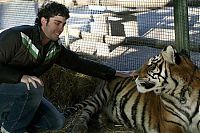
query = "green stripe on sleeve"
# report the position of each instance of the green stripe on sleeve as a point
(27, 42)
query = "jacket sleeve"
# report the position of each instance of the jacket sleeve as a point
(9, 43)
(73, 61)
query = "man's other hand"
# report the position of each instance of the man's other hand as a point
(31, 80)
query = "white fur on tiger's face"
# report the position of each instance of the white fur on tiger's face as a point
(154, 75)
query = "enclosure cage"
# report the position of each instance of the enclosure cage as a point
(121, 33)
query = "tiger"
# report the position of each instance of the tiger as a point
(163, 98)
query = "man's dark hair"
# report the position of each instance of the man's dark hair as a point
(51, 9)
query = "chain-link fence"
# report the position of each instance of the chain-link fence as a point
(115, 30)
(126, 33)
(122, 33)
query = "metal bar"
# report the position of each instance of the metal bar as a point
(181, 26)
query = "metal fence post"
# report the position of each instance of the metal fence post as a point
(181, 26)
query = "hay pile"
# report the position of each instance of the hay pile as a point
(66, 88)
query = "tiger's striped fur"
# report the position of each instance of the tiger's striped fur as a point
(164, 98)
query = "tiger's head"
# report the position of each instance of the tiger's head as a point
(164, 72)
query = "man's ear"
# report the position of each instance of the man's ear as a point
(43, 21)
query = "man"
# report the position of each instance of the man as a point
(26, 52)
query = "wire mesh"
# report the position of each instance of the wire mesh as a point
(122, 33)
(115, 31)
(14, 13)
(194, 29)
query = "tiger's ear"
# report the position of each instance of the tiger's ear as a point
(169, 54)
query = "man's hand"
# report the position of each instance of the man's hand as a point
(125, 74)
(31, 79)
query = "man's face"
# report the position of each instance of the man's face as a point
(54, 27)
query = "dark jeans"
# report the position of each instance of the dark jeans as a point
(21, 108)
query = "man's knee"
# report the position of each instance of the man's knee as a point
(36, 92)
